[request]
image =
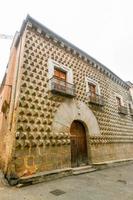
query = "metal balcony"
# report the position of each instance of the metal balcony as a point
(122, 110)
(96, 99)
(59, 86)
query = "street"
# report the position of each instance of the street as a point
(108, 184)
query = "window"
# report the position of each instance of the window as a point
(60, 74)
(92, 89)
(120, 104)
(93, 92)
(131, 108)
(92, 86)
(65, 71)
(118, 99)
(60, 79)
(5, 107)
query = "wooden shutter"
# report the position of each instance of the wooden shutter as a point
(60, 74)
(92, 88)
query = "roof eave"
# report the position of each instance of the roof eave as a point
(53, 35)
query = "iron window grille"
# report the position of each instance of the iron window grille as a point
(96, 99)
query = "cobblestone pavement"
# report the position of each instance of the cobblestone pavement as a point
(109, 184)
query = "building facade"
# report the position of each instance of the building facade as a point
(60, 108)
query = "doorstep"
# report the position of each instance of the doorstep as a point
(83, 170)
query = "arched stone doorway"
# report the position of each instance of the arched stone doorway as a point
(79, 155)
(70, 111)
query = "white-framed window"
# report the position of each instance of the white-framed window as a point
(55, 68)
(92, 87)
(60, 79)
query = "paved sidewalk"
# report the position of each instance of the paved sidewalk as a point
(114, 183)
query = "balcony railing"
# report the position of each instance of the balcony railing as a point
(122, 110)
(60, 86)
(96, 99)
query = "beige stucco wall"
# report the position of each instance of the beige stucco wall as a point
(6, 91)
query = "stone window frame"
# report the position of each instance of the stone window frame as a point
(121, 99)
(52, 64)
(92, 81)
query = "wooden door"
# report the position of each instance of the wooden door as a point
(60, 80)
(78, 144)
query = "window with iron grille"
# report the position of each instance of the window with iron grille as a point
(93, 91)
(61, 79)
(122, 109)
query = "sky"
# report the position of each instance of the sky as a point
(101, 28)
